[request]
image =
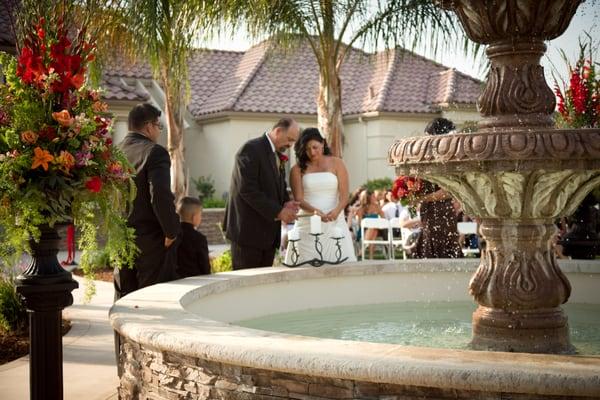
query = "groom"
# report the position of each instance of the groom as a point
(258, 200)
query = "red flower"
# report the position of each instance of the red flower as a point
(406, 187)
(30, 67)
(282, 157)
(48, 133)
(94, 184)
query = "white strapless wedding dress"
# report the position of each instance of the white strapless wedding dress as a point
(321, 191)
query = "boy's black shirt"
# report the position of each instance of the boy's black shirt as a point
(192, 254)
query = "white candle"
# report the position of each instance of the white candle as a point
(294, 234)
(336, 232)
(315, 224)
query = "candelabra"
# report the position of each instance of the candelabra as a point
(316, 262)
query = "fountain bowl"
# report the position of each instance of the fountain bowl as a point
(180, 340)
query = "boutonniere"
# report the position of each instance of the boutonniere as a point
(283, 158)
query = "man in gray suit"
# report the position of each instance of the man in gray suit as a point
(258, 200)
(153, 215)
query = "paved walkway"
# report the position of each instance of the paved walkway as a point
(89, 367)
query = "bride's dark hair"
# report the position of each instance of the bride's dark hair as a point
(306, 136)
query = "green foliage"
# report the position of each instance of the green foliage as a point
(13, 314)
(205, 186)
(57, 160)
(213, 203)
(222, 263)
(378, 184)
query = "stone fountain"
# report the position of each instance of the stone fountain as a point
(517, 173)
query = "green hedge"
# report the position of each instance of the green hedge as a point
(211, 202)
(378, 184)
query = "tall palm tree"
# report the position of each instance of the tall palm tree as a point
(331, 27)
(162, 32)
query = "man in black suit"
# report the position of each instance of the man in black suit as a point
(153, 215)
(258, 200)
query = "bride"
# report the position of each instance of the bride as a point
(319, 182)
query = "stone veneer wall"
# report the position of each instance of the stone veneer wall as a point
(160, 375)
(211, 218)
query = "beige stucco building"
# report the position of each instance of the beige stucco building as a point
(236, 96)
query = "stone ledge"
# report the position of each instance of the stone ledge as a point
(178, 331)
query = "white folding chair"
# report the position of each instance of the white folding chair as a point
(397, 240)
(468, 228)
(375, 223)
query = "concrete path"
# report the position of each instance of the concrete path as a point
(89, 366)
(89, 370)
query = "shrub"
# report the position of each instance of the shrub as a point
(13, 314)
(378, 184)
(222, 263)
(211, 202)
(205, 185)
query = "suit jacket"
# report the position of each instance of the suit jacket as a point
(192, 253)
(153, 214)
(256, 196)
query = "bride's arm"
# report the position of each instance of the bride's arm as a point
(298, 191)
(342, 176)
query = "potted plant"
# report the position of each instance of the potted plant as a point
(57, 160)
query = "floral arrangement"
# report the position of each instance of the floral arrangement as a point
(578, 103)
(57, 160)
(407, 189)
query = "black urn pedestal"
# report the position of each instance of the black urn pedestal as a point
(46, 288)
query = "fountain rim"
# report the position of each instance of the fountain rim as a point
(532, 149)
(135, 316)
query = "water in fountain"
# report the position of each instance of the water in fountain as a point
(413, 323)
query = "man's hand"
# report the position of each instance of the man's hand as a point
(287, 214)
(294, 205)
(169, 242)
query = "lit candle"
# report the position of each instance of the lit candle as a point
(294, 234)
(315, 224)
(336, 232)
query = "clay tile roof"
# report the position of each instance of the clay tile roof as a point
(285, 82)
(271, 80)
(116, 88)
(230, 72)
(128, 69)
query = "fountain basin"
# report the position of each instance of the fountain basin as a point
(179, 340)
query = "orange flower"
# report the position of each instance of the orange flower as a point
(63, 118)
(99, 106)
(41, 158)
(29, 137)
(66, 160)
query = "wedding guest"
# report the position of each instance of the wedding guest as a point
(192, 253)
(379, 196)
(258, 201)
(439, 235)
(369, 208)
(153, 215)
(391, 208)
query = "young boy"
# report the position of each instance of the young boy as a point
(192, 254)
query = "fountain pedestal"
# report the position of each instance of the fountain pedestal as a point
(517, 174)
